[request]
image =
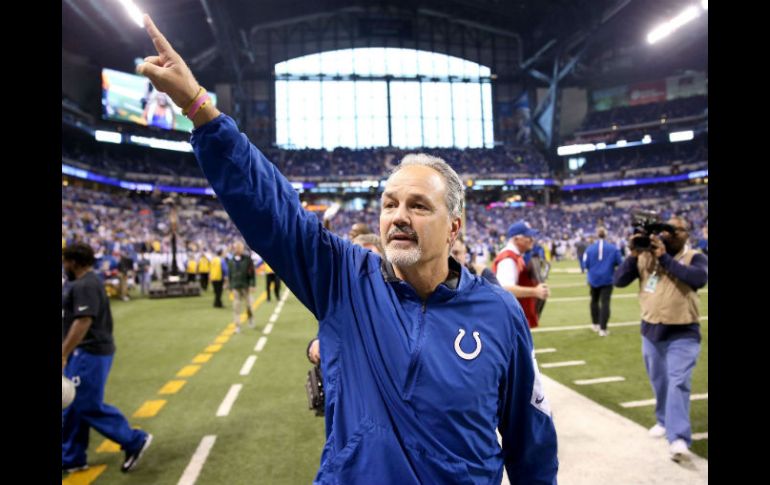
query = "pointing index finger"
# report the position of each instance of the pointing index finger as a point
(160, 42)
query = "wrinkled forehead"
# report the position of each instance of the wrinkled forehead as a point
(416, 180)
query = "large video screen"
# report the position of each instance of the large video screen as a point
(128, 97)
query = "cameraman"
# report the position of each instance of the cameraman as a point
(670, 273)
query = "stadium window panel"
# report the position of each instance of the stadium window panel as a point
(413, 138)
(329, 107)
(311, 99)
(460, 114)
(353, 113)
(377, 61)
(430, 126)
(362, 62)
(281, 113)
(486, 100)
(474, 136)
(425, 63)
(347, 133)
(405, 111)
(380, 127)
(345, 62)
(440, 65)
(371, 104)
(393, 64)
(473, 102)
(443, 114)
(456, 66)
(475, 119)
(364, 133)
(409, 62)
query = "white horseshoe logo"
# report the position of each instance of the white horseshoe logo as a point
(460, 352)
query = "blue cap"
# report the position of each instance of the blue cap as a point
(521, 228)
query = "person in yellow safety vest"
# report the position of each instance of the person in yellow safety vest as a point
(217, 275)
(192, 269)
(203, 271)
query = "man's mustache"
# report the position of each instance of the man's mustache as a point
(402, 231)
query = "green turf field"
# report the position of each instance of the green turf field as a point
(269, 435)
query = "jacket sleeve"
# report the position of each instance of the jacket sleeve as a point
(618, 258)
(266, 210)
(626, 272)
(526, 425)
(696, 274)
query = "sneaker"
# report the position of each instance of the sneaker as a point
(237, 329)
(133, 458)
(595, 328)
(604, 333)
(252, 324)
(679, 451)
(74, 468)
(657, 431)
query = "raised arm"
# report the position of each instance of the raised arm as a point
(261, 202)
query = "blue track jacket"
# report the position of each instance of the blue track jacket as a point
(415, 389)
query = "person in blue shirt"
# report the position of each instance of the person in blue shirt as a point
(422, 361)
(600, 260)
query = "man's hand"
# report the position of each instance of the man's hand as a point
(634, 252)
(542, 292)
(167, 71)
(657, 246)
(314, 352)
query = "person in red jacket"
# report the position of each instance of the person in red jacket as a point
(512, 273)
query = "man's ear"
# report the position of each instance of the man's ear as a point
(454, 230)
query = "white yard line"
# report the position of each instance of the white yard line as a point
(195, 466)
(248, 365)
(545, 351)
(227, 403)
(599, 380)
(651, 402)
(566, 363)
(260, 344)
(587, 326)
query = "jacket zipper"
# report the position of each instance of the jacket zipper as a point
(411, 374)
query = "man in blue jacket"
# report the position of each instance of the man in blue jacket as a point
(410, 399)
(600, 260)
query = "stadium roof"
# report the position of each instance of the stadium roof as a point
(102, 32)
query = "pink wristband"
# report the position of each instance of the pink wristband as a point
(197, 105)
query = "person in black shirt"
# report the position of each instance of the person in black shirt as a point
(86, 354)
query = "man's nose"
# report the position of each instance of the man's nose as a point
(401, 217)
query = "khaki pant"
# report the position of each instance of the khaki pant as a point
(123, 277)
(242, 298)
